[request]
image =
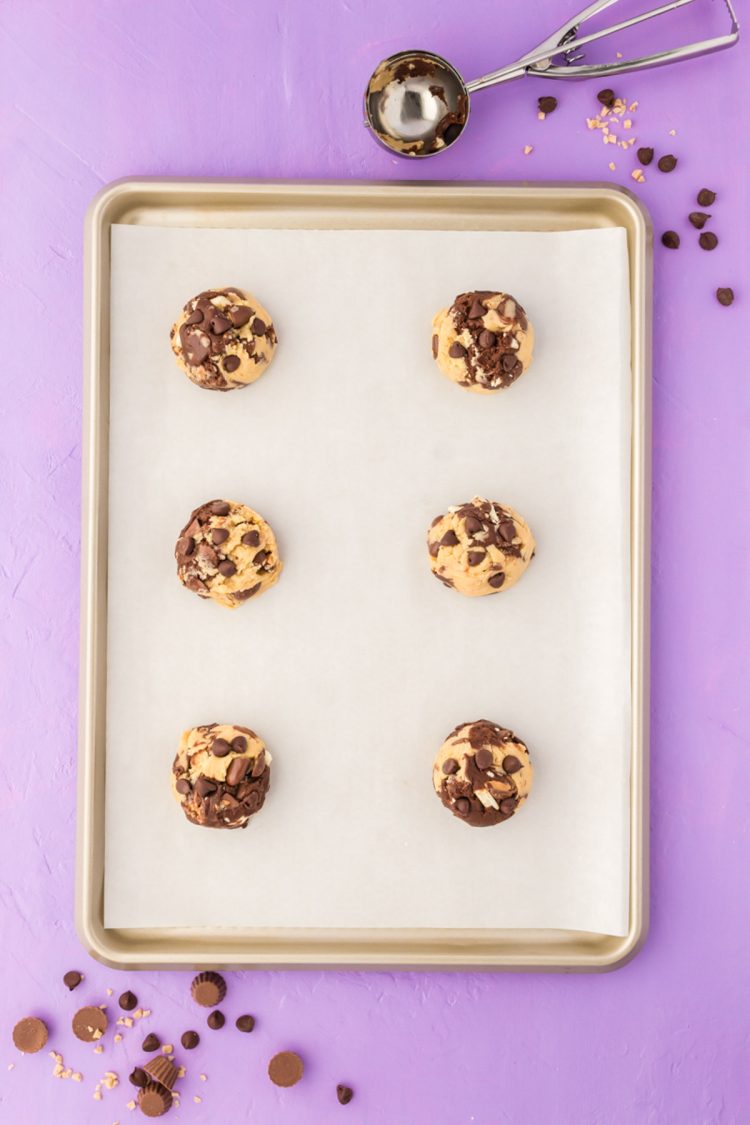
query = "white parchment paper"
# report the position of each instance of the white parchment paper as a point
(357, 665)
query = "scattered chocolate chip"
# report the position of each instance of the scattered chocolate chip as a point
(508, 805)
(219, 535)
(487, 339)
(457, 351)
(89, 1024)
(667, 163)
(30, 1035)
(547, 104)
(245, 1023)
(606, 97)
(645, 155)
(511, 764)
(238, 768)
(215, 1020)
(220, 325)
(450, 539)
(227, 568)
(251, 538)
(231, 363)
(496, 580)
(463, 806)
(345, 1093)
(220, 747)
(285, 1069)
(475, 557)
(190, 1040)
(483, 758)
(708, 240)
(182, 786)
(151, 1043)
(239, 315)
(670, 239)
(138, 1077)
(699, 219)
(477, 310)
(434, 347)
(128, 1001)
(725, 296)
(154, 1100)
(450, 765)
(706, 197)
(208, 989)
(196, 317)
(220, 508)
(72, 979)
(259, 327)
(204, 787)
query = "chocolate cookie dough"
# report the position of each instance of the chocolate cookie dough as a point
(223, 339)
(484, 341)
(480, 547)
(227, 552)
(220, 776)
(482, 773)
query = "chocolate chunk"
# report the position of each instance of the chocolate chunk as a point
(197, 346)
(186, 546)
(496, 580)
(227, 568)
(151, 1043)
(725, 296)
(472, 525)
(457, 351)
(220, 325)
(72, 979)
(606, 97)
(128, 1001)
(258, 327)
(508, 805)
(89, 1024)
(243, 595)
(182, 786)
(30, 1035)
(475, 557)
(219, 508)
(285, 1069)
(706, 197)
(239, 744)
(238, 767)
(667, 163)
(138, 1077)
(260, 558)
(511, 764)
(450, 539)
(245, 1023)
(434, 347)
(433, 549)
(190, 1040)
(671, 239)
(196, 317)
(645, 155)
(231, 363)
(450, 765)
(216, 1020)
(547, 104)
(220, 747)
(204, 787)
(477, 310)
(487, 339)
(508, 362)
(463, 806)
(345, 1093)
(251, 538)
(259, 765)
(483, 758)
(219, 535)
(708, 240)
(699, 219)
(239, 315)
(507, 530)
(208, 989)
(154, 1100)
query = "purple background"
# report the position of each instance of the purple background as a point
(97, 89)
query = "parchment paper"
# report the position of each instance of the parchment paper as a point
(358, 663)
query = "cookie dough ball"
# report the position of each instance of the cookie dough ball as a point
(227, 552)
(223, 339)
(483, 342)
(480, 547)
(221, 775)
(482, 773)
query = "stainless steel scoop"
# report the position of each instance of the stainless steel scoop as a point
(417, 104)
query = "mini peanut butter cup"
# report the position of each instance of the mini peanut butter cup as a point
(208, 989)
(162, 1071)
(30, 1035)
(154, 1100)
(89, 1024)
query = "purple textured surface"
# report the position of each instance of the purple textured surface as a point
(96, 89)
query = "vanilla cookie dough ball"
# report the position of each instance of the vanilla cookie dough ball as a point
(223, 339)
(227, 552)
(480, 547)
(482, 773)
(484, 341)
(220, 775)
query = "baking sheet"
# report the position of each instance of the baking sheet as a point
(356, 666)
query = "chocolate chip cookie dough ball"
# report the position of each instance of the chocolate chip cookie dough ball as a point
(227, 552)
(480, 547)
(483, 342)
(221, 775)
(223, 339)
(482, 773)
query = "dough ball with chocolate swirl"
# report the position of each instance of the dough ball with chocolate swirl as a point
(482, 773)
(480, 547)
(228, 553)
(484, 341)
(220, 775)
(223, 339)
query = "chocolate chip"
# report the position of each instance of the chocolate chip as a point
(463, 806)
(151, 1043)
(472, 525)
(670, 239)
(475, 557)
(186, 546)
(285, 1069)
(72, 979)
(547, 104)
(251, 538)
(220, 747)
(261, 557)
(195, 317)
(190, 1040)
(511, 764)
(245, 1023)
(699, 219)
(483, 758)
(239, 744)
(434, 347)
(215, 1021)
(128, 1001)
(645, 155)
(30, 1035)
(507, 530)
(606, 97)
(220, 508)
(259, 327)
(457, 351)
(667, 163)
(725, 296)
(706, 197)
(496, 580)
(238, 767)
(183, 786)
(227, 568)
(220, 325)
(434, 548)
(477, 310)
(508, 362)
(231, 363)
(708, 240)
(345, 1093)
(239, 315)
(508, 805)
(487, 339)
(138, 1077)
(450, 765)
(219, 535)
(450, 539)
(243, 595)
(204, 787)
(453, 131)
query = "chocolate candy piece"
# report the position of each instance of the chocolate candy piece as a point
(239, 315)
(208, 989)
(496, 580)
(463, 806)
(220, 508)
(475, 557)
(511, 764)
(230, 363)
(547, 104)
(30, 1035)
(645, 156)
(708, 240)
(128, 1001)
(699, 219)
(725, 296)
(477, 310)
(245, 1023)
(483, 758)
(251, 538)
(706, 197)
(606, 97)
(227, 568)
(72, 979)
(487, 339)
(457, 351)
(89, 1024)
(286, 1068)
(667, 163)
(508, 805)
(238, 768)
(151, 1043)
(196, 317)
(216, 1020)
(220, 747)
(190, 1040)
(154, 1100)
(345, 1093)
(219, 535)
(204, 787)
(163, 1071)
(434, 347)
(138, 1077)
(671, 239)
(239, 744)
(450, 539)
(450, 766)
(182, 785)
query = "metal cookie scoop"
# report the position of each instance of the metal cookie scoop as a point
(417, 104)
